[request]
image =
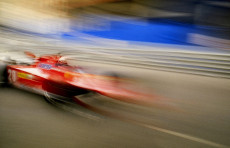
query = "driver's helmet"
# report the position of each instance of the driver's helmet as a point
(62, 62)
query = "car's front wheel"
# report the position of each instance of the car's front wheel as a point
(3, 74)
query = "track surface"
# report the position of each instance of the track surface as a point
(195, 114)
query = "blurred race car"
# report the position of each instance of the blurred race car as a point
(53, 77)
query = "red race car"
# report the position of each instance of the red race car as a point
(51, 76)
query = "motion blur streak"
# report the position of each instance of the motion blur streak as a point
(146, 73)
(210, 143)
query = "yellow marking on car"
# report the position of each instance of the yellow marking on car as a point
(68, 75)
(24, 76)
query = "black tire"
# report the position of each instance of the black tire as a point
(112, 74)
(3, 74)
(115, 77)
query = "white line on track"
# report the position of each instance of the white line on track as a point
(181, 135)
(185, 136)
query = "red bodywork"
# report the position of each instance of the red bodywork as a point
(49, 75)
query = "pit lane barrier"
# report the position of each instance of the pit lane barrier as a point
(214, 64)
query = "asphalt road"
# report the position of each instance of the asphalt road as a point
(195, 113)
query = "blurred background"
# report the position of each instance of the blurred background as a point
(191, 22)
(179, 49)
